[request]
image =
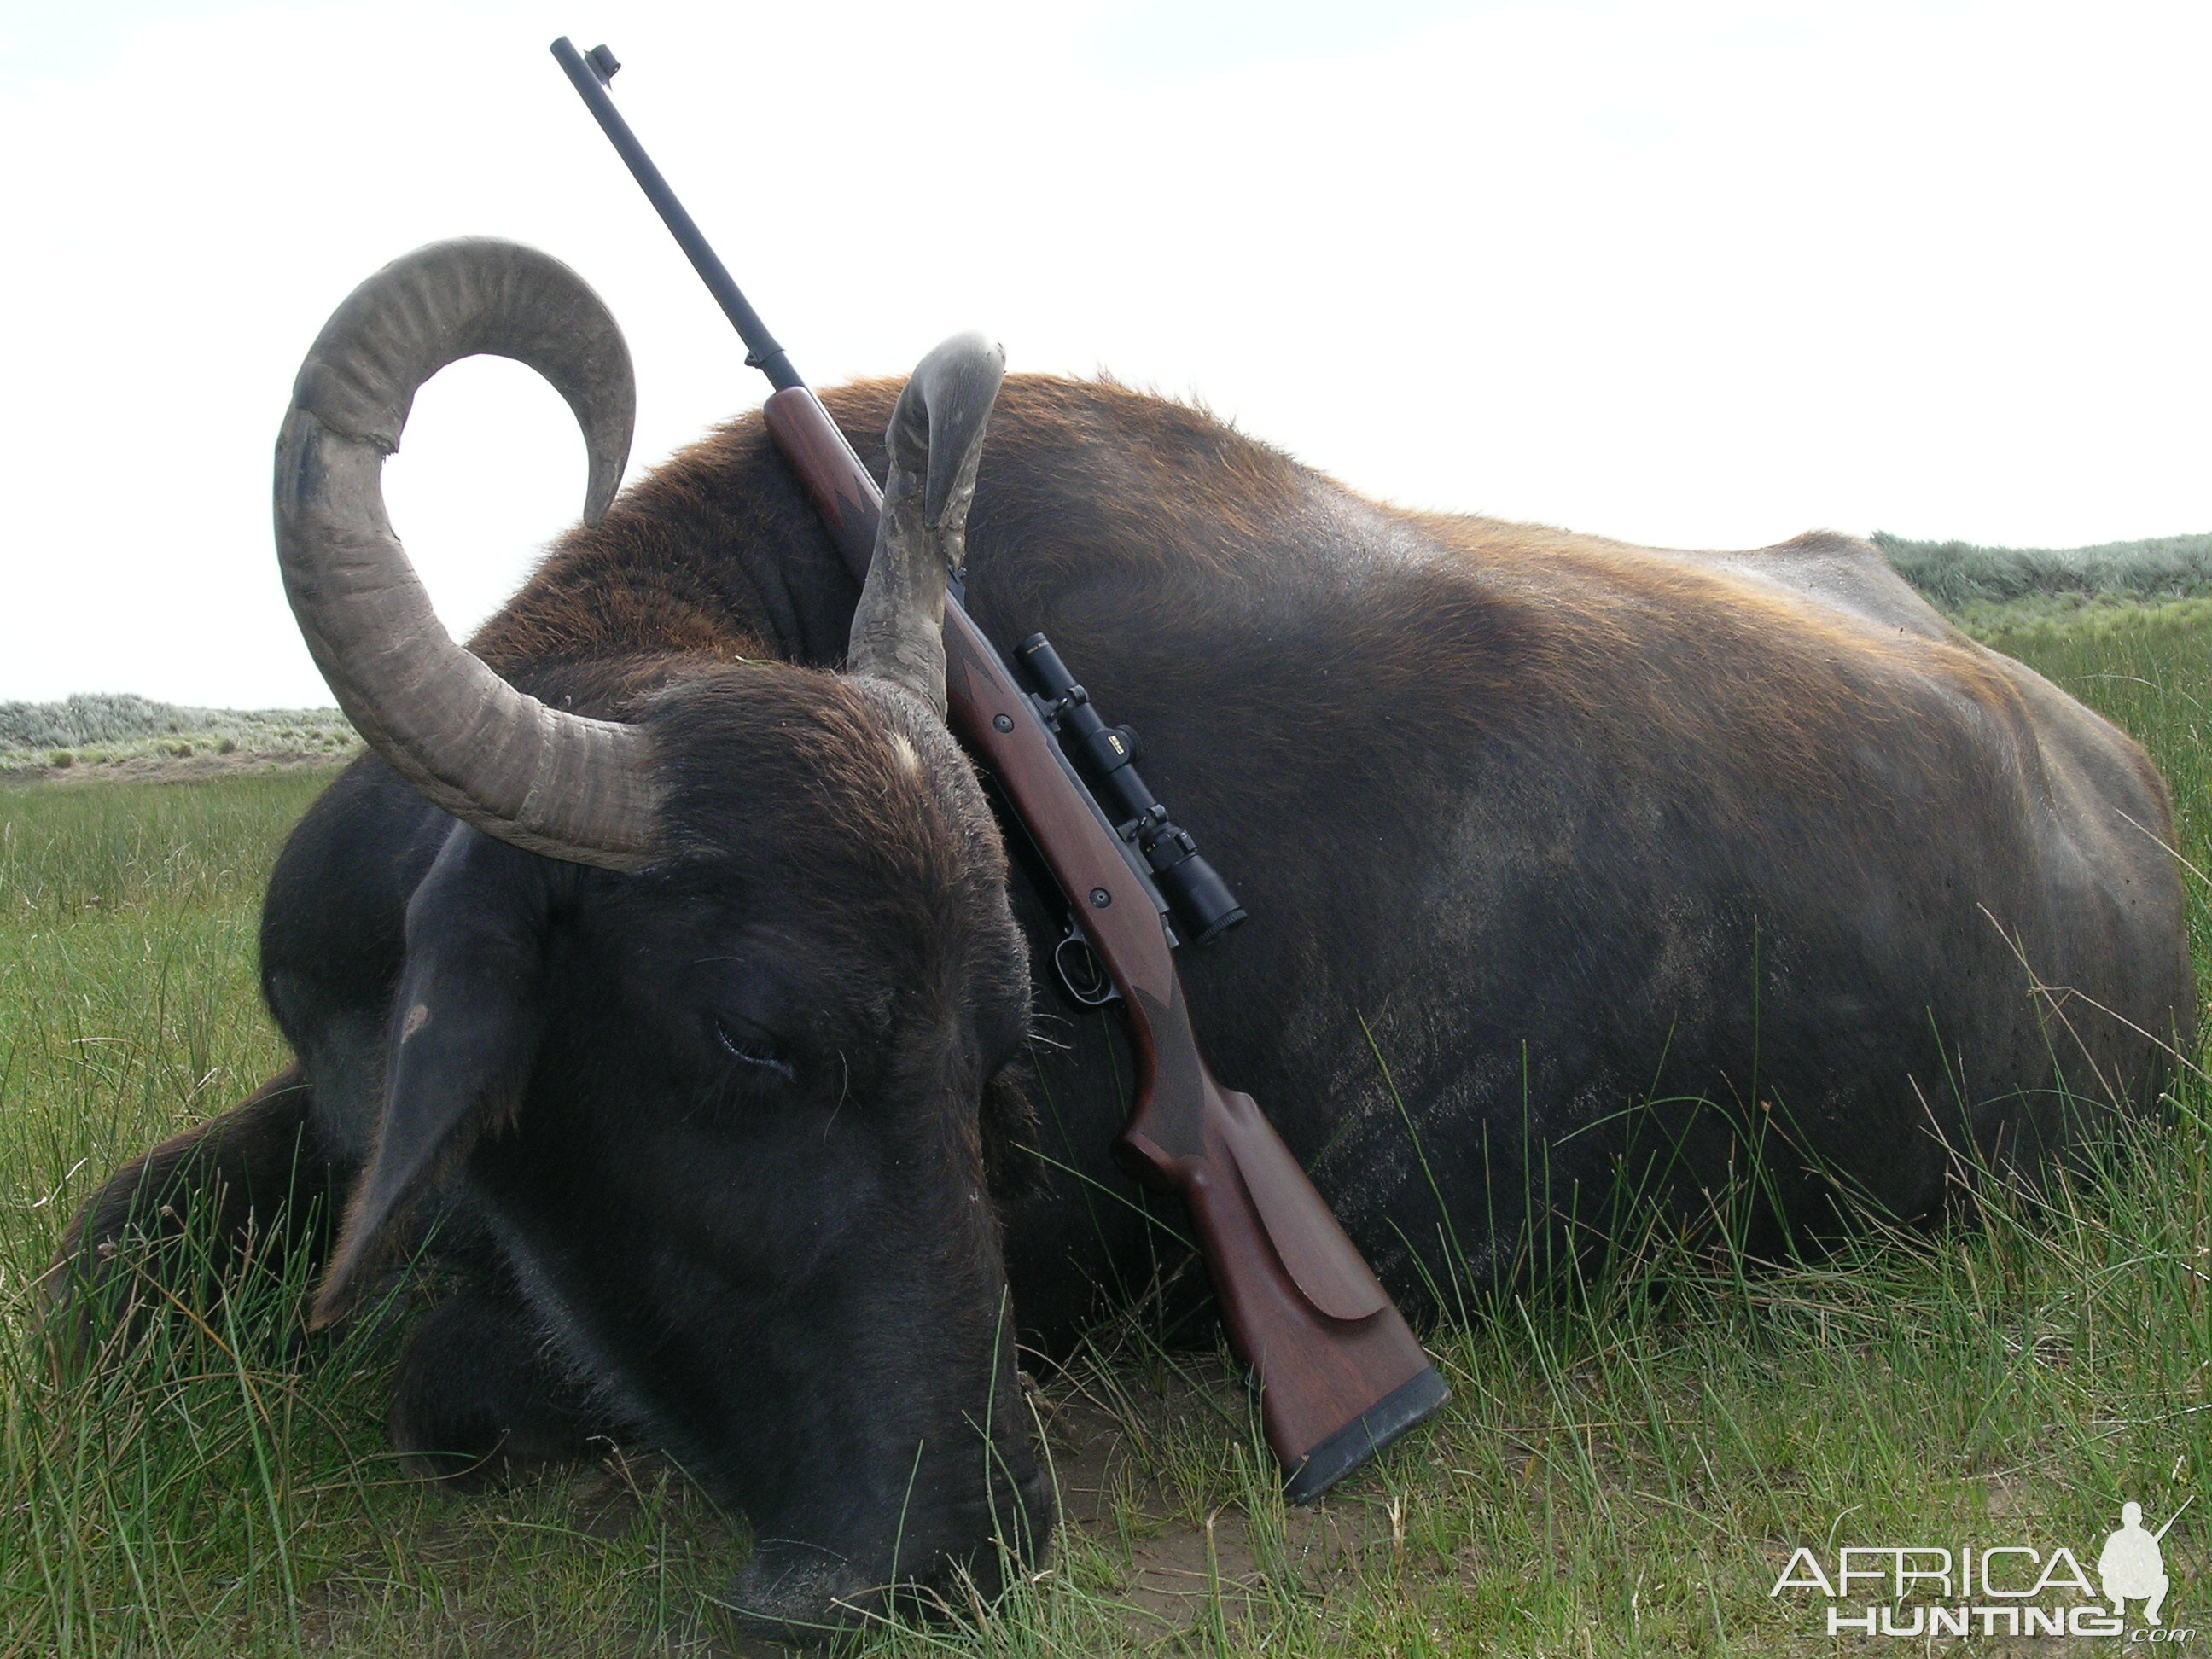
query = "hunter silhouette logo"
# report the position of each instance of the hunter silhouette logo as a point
(2131, 1566)
(2010, 1590)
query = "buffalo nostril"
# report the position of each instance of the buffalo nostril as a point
(800, 1594)
(1041, 1513)
(1043, 1505)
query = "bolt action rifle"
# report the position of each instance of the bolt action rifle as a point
(1339, 1374)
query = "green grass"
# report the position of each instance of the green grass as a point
(1625, 1468)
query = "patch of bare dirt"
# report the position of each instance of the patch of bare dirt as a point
(1185, 1568)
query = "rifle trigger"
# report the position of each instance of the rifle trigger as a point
(1080, 972)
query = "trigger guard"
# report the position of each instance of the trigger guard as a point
(1098, 990)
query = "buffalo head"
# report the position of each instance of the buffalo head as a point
(708, 984)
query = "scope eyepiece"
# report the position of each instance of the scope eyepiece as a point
(1200, 898)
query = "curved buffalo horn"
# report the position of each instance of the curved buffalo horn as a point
(936, 438)
(540, 778)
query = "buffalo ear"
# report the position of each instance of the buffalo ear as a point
(1013, 1164)
(466, 1024)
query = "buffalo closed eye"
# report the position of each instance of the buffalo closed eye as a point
(753, 1050)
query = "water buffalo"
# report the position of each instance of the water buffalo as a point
(673, 962)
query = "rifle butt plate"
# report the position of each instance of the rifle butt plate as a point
(1403, 1409)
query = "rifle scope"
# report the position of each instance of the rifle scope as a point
(1106, 755)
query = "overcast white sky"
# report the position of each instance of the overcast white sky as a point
(1697, 274)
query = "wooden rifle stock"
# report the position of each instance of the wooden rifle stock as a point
(1339, 1374)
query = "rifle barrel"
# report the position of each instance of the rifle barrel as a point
(2170, 1519)
(761, 351)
